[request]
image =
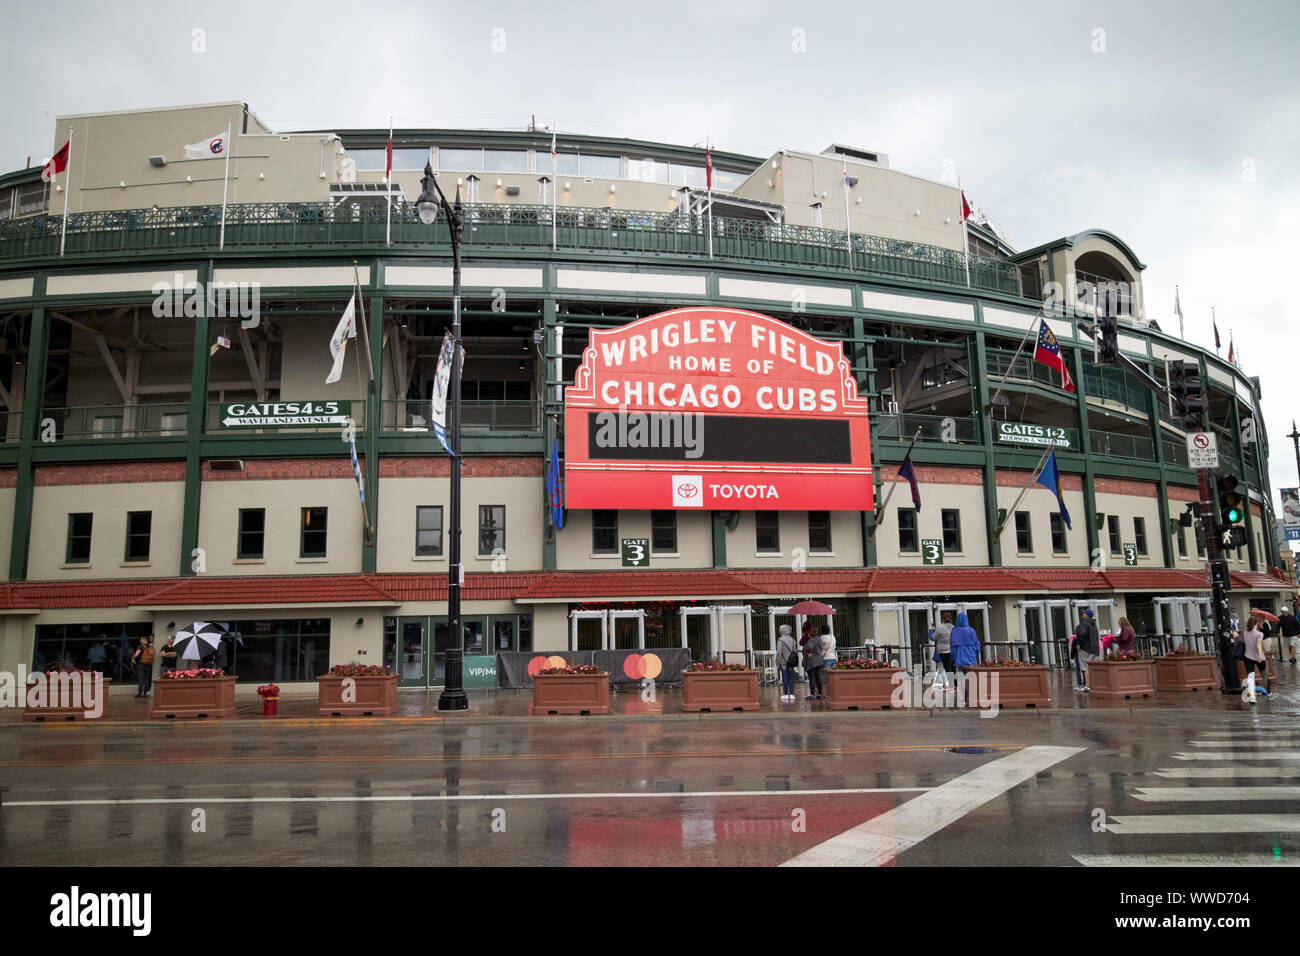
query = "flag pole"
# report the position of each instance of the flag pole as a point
(555, 186)
(709, 173)
(890, 492)
(365, 330)
(848, 230)
(388, 222)
(1019, 348)
(965, 232)
(1025, 490)
(67, 198)
(225, 185)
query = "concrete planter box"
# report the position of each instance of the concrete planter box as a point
(570, 694)
(369, 696)
(851, 689)
(1121, 679)
(48, 712)
(1017, 686)
(1187, 672)
(719, 690)
(198, 697)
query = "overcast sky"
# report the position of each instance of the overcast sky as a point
(1172, 124)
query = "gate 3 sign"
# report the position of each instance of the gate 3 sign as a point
(284, 414)
(715, 409)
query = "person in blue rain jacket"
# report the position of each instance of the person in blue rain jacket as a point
(965, 643)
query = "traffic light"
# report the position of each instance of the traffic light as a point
(1231, 504)
(1107, 348)
(1187, 394)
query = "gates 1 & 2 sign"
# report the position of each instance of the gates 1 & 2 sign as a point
(715, 409)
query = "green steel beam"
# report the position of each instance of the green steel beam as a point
(981, 398)
(33, 395)
(550, 436)
(374, 421)
(197, 423)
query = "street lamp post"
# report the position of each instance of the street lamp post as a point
(453, 695)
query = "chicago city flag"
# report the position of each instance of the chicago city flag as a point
(1049, 353)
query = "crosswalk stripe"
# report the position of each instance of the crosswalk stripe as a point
(1186, 859)
(1201, 794)
(1232, 771)
(1243, 743)
(1257, 823)
(1237, 755)
(881, 839)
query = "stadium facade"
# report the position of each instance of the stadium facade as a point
(173, 455)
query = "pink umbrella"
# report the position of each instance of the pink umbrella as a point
(812, 607)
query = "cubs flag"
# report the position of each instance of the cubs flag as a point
(1050, 478)
(555, 490)
(908, 473)
(209, 148)
(346, 329)
(441, 387)
(58, 163)
(1048, 352)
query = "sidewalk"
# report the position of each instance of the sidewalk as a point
(298, 705)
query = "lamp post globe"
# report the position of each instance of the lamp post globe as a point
(427, 204)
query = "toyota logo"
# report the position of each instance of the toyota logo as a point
(687, 491)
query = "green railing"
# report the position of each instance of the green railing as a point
(475, 416)
(353, 224)
(1175, 451)
(1116, 445)
(1025, 368)
(960, 429)
(167, 419)
(1116, 385)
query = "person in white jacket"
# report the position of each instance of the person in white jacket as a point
(828, 648)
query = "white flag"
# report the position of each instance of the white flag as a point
(441, 388)
(209, 148)
(346, 329)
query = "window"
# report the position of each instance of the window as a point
(602, 167)
(460, 159)
(907, 540)
(1112, 525)
(1024, 534)
(428, 531)
(1058, 533)
(107, 426)
(376, 160)
(819, 532)
(1181, 537)
(491, 528)
(252, 532)
(79, 538)
(1140, 535)
(767, 532)
(139, 524)
(567, 163)
(951, 518)
(604, 532)
(313, 532)
(174, 423)
(506, 160)
(31, 200)
(817, 215)
(663, 532)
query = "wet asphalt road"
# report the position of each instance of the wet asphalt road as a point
(725, 790)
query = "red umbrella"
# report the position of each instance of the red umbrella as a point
(812, 607)
(1272, 618)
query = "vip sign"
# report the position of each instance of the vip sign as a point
(706, 408)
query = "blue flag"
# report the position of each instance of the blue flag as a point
(1050, 478)
(905, 470)
(554, 489)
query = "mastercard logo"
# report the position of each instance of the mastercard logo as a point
(542, 662)
(637, 666)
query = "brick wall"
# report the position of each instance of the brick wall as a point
(1126, 486)
(109, 473)
(280, 469)
(1183, 493)
(1018, 479)
(936, 475)
(9, 478)
(501, 467)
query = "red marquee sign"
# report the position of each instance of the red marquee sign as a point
(715, 409)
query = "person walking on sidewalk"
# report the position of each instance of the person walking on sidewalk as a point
(812, 663)
(1253, 660)
(943, 648)
(1126, 640)
(787, 658)
(1088, 644)
(143, 661)
(1290, 627)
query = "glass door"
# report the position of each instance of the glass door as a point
(412, 652)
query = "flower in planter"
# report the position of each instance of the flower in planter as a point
(864, 664)
(196, 673)
(359, 670)
(1123, 656)
(716, 665)
(572, 669)
(1185, 651)
(1004, 662)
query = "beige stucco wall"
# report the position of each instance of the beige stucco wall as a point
(1041, 504)
(694, 541)
(399, 497)
(1127, 507)
(51, 506)
(306, 359)
(283, 501)
(550, 626)
(968, 499)
(846, 540)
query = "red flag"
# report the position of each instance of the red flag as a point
(708, 168)
(965, 207)
(1230, 349)
(388, 171)
(1048, 351)
(57, 164)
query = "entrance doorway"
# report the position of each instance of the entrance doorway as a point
(415, 647)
